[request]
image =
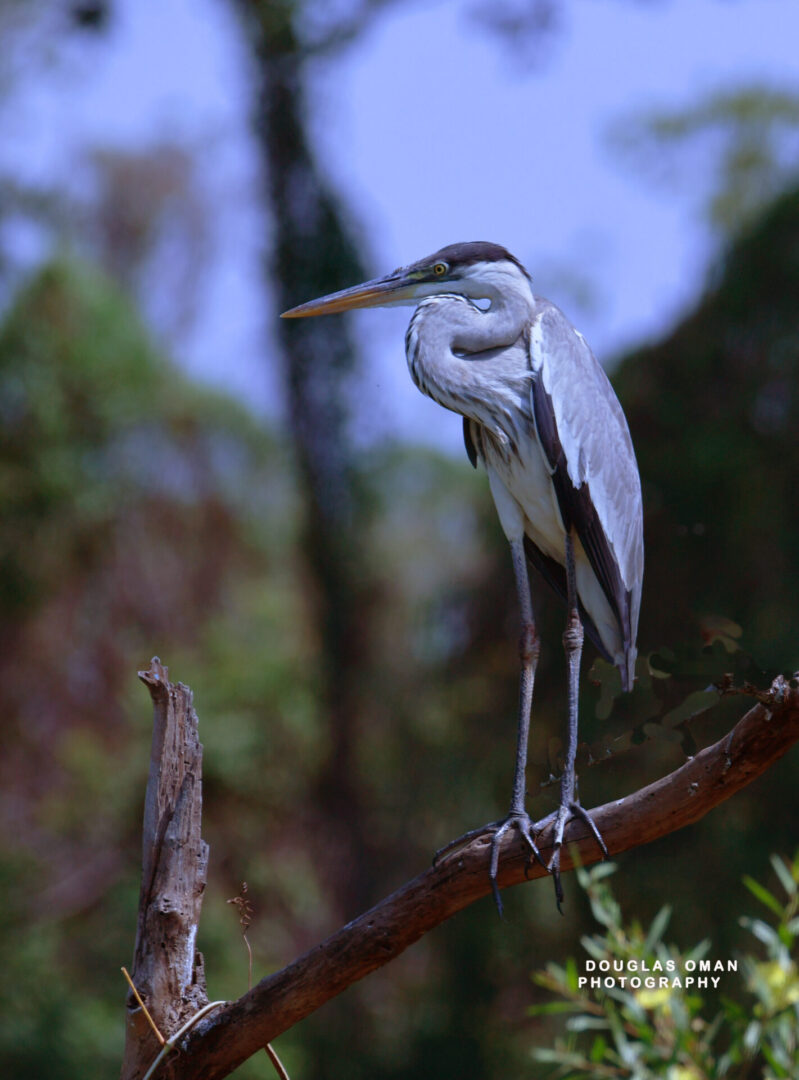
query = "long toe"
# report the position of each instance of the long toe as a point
(584, 815)
(561, 817)
(554, 868)
(493, 868)
(528, 829)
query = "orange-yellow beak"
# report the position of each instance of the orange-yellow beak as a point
(395, 288)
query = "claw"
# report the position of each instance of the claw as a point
(580, 812)
(565, 814)
(554, 868)
(522, 822)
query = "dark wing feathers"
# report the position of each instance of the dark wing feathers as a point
(579, 513)
(553, 572)
(555, 576)
(577, 505)
(468, 442)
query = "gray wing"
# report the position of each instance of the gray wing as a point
(584, 435)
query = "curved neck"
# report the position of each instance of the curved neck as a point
(471, 361)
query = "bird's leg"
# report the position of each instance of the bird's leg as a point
(529, 649)
(569, 804)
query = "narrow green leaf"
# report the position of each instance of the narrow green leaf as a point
(558, 1057)
(596, 948)
(763, 895)
(699, 951)
(598, 1049)
(752, 1036)
(786, 936)
(768, 1054)
(762, 931)
(587, 1023)
(656, 930)
(785, 875)
(554, 1008)
(603, 870)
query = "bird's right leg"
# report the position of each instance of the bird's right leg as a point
(569, 804)
(529, 649)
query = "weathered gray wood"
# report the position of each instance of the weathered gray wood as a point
(167, 969)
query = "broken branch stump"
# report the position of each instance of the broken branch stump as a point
(167, 968)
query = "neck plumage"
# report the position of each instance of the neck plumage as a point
(471, 361)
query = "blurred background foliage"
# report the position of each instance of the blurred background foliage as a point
(344, 614)
(634, 1023)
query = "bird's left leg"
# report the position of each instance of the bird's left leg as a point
(569, 804)
(529, 649)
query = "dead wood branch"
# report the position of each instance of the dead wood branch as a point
(167, 969)
(222, 1041)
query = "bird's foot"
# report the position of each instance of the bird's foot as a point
(565, 813)
(528, 830)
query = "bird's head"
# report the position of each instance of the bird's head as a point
(479, 270)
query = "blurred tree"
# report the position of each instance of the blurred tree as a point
(715, 415)
(128, 502)
(145, 219)
(313, 252)
(744, 142)
(141, 214)
(140, 516)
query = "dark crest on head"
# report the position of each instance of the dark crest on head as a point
(475, 251)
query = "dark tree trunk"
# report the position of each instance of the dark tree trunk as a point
(312, 253)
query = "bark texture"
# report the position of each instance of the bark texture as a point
(167, 969)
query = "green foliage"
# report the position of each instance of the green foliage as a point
(141, 515)
(92, 419)
(751, 133)
(675, 688)
(132, 506)
(648, 1019)
(714, 416)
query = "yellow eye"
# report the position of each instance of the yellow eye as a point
(440, 269)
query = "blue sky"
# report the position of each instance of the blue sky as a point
(434, 132)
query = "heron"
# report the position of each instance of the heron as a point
(540, 415)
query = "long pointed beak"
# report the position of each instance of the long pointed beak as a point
(392, 289)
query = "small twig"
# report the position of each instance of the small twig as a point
(150, 1020)
(246, 911)
(727, 688)
(279, 1067)
(249, 962)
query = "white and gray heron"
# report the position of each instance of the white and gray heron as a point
(540, 414)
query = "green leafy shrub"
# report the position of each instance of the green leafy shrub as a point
(649, 1017)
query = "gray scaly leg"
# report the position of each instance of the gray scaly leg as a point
(569, 804)
(529, 649)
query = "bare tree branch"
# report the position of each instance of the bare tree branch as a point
(220, 1043)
